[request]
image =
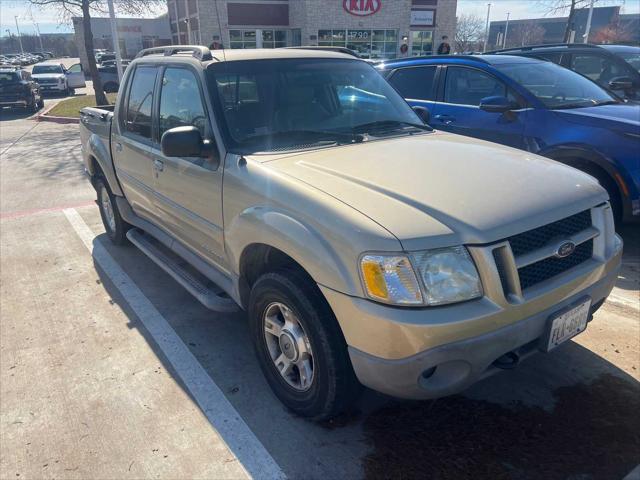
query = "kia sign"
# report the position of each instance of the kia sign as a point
(362, 8)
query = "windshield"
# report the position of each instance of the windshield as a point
(288, 104)
(9, 77)
(47, 69)
(632, 59)
(555, 86)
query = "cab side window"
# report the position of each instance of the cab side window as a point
(467, 86)
(415, 82)
(181, 101)
(598, 68)
(138, 119)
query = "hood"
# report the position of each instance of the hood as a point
(47, 76)
(624, 116)
(441, 189)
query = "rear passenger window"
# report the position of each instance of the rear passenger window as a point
(415, 83)
(466, 86)
(138, 119)
(180, 101)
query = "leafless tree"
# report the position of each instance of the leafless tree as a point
(84, 8)
(529, 33)
(615, 32)
(554, 7)
(469, 30)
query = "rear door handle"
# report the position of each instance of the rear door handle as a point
(118, 147)
(158, 165)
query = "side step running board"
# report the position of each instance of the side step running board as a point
(207, 292)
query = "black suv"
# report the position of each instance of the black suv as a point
(614, 67)
(17, 89)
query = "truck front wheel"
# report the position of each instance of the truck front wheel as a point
(300, 346)
(114, 225)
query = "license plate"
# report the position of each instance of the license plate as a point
(567, 325)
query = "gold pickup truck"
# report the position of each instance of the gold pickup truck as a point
(365, 247)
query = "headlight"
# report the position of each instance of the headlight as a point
(447, 275)
(390, 279)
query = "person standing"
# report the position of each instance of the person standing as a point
(444, 48)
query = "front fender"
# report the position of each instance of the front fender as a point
(279, 229)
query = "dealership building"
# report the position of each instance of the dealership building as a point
(373, 28)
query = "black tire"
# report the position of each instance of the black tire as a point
(41, 103)
(33, 105)
(334, 386)
(612, 189)
(117, 231)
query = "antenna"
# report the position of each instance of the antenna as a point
(224, 56)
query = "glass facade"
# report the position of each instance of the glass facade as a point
(368, 43)
(260, 38)
(421, 43)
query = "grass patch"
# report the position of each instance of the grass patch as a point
(71, 107)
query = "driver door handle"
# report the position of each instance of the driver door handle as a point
(446, 119)
(158, 165)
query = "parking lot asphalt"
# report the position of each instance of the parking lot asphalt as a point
(109, 369)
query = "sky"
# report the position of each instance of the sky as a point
(48, 19)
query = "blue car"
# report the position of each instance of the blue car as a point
(533, 105)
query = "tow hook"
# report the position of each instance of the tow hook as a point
(507, 361)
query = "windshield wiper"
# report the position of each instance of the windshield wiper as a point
(339, 137)
(388, 124)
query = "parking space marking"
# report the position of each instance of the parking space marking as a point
(36, 211)
(237, 435)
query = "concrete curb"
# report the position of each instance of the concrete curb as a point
(49, 118)
(44, 117)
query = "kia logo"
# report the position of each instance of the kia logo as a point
(362, 8)
(565, 249)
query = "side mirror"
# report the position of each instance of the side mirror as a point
(621, 83)
(185, 142)
(423, 113)
(497, 104)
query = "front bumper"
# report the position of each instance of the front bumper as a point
(394, 350)
(54, 87)
(13, 103)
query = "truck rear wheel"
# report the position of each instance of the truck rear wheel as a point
(114, 225)
(300, 346)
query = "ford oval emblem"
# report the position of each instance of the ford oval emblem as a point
(565, 249)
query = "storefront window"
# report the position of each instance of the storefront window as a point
(258, 38)
(421, 43)
(368, 43)
(274, 38)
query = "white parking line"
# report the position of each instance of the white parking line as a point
(239, 438)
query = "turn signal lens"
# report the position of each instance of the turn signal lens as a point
(390, 279)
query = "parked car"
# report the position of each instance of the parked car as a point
(614, 67)
(17, 89)
(109, 76)
(363, 245)
(55, 77)
(533, 105)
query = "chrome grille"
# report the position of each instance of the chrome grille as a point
(539, 237)
(552, 266)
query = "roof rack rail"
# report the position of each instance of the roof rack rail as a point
(547, 45)
(438, 57)
(198, 51)
(345, 50)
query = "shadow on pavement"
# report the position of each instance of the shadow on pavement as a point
(14, 113)
(568, 414)
(629, 276)
(591, 433)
